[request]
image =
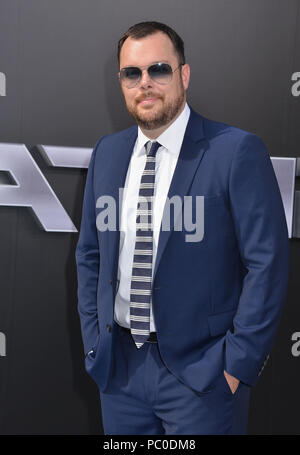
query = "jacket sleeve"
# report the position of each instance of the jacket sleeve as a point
(262, 235)
(88, 259)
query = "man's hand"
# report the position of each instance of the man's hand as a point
(232, 381)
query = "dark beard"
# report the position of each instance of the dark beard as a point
(163, 118)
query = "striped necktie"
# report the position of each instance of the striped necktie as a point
(141, 280)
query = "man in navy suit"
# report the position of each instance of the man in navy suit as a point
(177, 326)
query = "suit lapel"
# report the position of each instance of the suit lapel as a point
(190, 156)
(117, 180)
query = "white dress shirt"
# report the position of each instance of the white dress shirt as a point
(166, 160)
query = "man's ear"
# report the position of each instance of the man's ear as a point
(185, 74)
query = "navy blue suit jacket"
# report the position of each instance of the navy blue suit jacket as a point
(216, 302)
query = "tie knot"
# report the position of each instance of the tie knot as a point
(152, 147)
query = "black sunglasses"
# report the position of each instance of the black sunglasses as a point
(161, 73)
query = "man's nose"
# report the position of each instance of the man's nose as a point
(145, 80)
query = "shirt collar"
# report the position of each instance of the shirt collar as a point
(171, 138)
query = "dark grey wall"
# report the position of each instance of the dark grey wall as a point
(59, 58)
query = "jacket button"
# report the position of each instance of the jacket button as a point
(108, 327)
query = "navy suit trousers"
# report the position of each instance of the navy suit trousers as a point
(144, 397)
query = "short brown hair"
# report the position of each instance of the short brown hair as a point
(143, 29)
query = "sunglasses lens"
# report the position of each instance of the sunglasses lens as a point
(160, 73)
(130, 75)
